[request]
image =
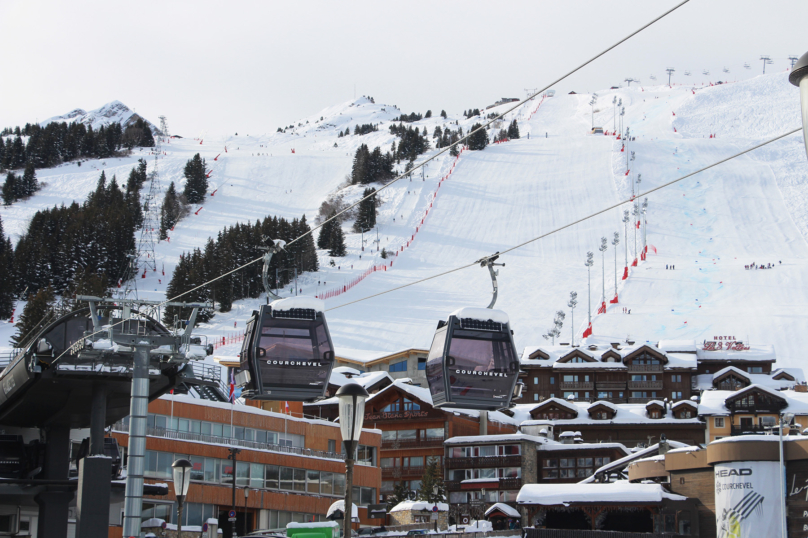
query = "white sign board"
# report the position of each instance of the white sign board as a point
(747, 502)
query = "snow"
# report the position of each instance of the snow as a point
(615, 492)
(680, 346)
(604, 403)
(625, 414)
(757, 352)
(419, 505)
(504, 508)
(635, 455)
(340, 505)
(504, 438)
(289, 303)
(751, 209)
(712, 401)
(318, 524)
(481, 314)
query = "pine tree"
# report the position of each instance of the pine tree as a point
(196, 184)
(327, 231)
(443, 114)
(170, 212)
(513, 130)
(33, 317)
(366, 214)
(428, 114)
(10, 189)
(432, 479)
(337, 247)
(7, 282)
(399, 496)
(29, 181)
(479, 139)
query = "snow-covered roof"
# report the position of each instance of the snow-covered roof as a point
(559, 402)
(616, 492)
(340, 505)
(419, 505)
(303, 301)
(688, 403)
(481, 314)
(704, 382)
(553, 446)
(602, 356)
(513, 437)
(658, 403)
(729, 369)
(347, 370)
(366, 379)
(713, 401)
(604, 403)
(625, 414)
(504, 508)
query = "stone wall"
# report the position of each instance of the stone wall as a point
(408, 517)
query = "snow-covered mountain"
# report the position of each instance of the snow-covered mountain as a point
(709, 227)
(113, 112)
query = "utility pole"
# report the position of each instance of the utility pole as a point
(626, 218)
(645, 227)
(589, 263)
(670, 71)
(622, 113)
(614, 113)
(636, 213)
(592, 103)
(615, 242)
(233, 453)
(766, 60)
(377, 241)
(573, 302)
(603, 246)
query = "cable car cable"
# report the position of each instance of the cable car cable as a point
(448, 148)
(599, 212)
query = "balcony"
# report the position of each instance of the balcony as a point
(578, 386)
(396, 444)
(645, 368)
(398, 472)
(488, 461)
(611, 385)
(504, 483)
(645, 385)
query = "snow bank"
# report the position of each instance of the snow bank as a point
(419, 505)
(616, 492)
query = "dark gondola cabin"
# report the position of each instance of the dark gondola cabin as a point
(288, 351)
(472, 363)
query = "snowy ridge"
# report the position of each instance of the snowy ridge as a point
(112, 112)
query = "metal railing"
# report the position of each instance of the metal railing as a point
(121, 427)
(653, 385)
(7, 357)
(645, 367)
(583, 385)
(413, 443)
(504, 483)
(396, 472)
(485, 461)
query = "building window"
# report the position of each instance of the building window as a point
(535, 397)
(676, 378)
(411, 406)
(573, 394)
(332, 445)
(719, 422)
(552, 381)
(393, 407)
(400, 366)
(535, 380)
(676, 395)
(421, 364)
(755, 369)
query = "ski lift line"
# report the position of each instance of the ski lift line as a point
(448, 148)
(465, 139)
(582, 219)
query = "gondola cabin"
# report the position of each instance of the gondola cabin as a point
(472, 363)
(287, 351)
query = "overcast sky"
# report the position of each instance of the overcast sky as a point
(250, 67)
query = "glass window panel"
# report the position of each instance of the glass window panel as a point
(216, 429)
(256, 475)
(368, 495)
(197, 468)
(164, 462)
(406, 434)
(196, 426)
(339, 484)
(511, 450)
(184, 425)
(260, 436)
(458, 497)
(242, 474)
(488, 450)
(312, 481)
(550, 463)
(227, 471)
(300, 480)
(160, 422)
(211, 470)
(150, 461)
(434, 433)
(226, 430)
(271, 475)
(567, 462)
(388, 435)
(488, 473)
(206, 428)
(272, 438)
(172, 423)
(287, 478)
(387, 462)
(239, 433)
(194, 511)
(327, 483)
(457, 474)
(417, 461)
(552, 473)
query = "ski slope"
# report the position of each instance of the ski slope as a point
(709, 227)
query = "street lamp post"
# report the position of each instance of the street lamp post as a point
(626, 218)
(799, 77)
(351, 397)
(603, 246)
(784, 420)
(589, 263)
(182, 480)
(233, 453)
(573, 302)
(246, 495)
(615, 242)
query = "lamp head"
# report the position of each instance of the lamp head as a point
(351, 398)
(799, 77)
(182, 476)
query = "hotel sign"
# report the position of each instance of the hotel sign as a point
(724, 343)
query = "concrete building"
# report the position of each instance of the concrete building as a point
(407, 363)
